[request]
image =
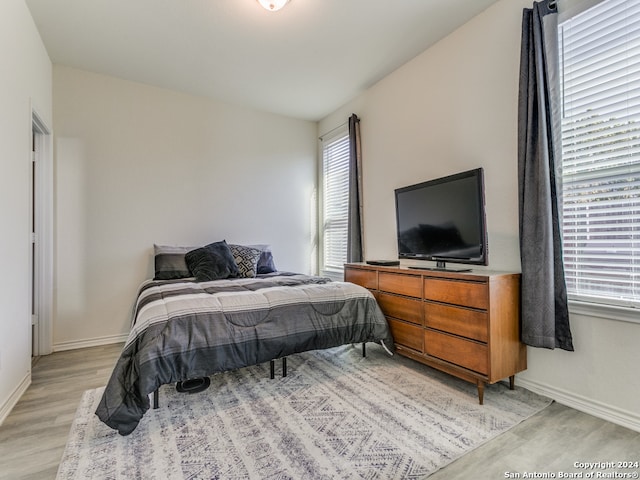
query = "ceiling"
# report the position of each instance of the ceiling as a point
(304, 61)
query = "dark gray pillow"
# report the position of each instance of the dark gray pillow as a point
(265, 262)
(170, 263)
(212, 262)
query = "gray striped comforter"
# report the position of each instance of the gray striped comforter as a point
(183, 330)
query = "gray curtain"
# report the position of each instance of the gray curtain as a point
(354, 229)
(545, 315)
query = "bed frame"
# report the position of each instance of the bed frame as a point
(272, 374)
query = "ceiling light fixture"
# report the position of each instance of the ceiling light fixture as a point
(273, 5)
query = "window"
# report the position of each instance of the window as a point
(335, 203)
(600, 84)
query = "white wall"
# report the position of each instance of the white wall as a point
(450, 109)
(25, 83)
(138, 165)
(454, 108)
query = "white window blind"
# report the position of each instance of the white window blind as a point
(335, 195)
(600, 80)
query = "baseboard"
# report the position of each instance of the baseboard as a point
(90, 342)
(6, 408)
(592, 407)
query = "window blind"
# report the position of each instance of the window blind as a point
(335, 202)
(600, 173)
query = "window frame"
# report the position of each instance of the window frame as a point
(337, 134)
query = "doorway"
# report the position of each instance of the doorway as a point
(41, 237)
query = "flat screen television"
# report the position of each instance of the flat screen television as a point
(443, 220)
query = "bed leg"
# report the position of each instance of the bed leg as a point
(272, 369)
(364, 349)
(284, 366)
(156, 400)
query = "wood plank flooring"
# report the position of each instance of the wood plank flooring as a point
(33, 436)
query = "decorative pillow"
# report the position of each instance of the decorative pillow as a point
(246, 259)
(170, 262)
(212, 262)
(265, 263)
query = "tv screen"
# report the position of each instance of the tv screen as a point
(443, 220)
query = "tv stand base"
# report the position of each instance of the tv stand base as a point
(441, 269)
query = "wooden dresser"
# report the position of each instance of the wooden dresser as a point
(465, 324)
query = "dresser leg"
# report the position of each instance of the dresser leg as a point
(512, 382)
(480, 392)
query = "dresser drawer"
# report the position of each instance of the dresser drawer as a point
(400, 307)
(459, 321)
(406, 334)
(364, 278)
(469, 294)
(403, 284)
(465, 353)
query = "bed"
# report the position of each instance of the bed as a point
(191, 327)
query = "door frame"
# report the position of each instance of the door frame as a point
(42, 343)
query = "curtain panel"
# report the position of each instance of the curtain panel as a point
(545, 314)
(354, 227)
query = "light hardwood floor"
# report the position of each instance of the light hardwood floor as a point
(33, 436)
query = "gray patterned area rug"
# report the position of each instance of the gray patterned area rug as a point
(335, 416)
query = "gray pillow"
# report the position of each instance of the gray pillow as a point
(212, 262)
(170, 263)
